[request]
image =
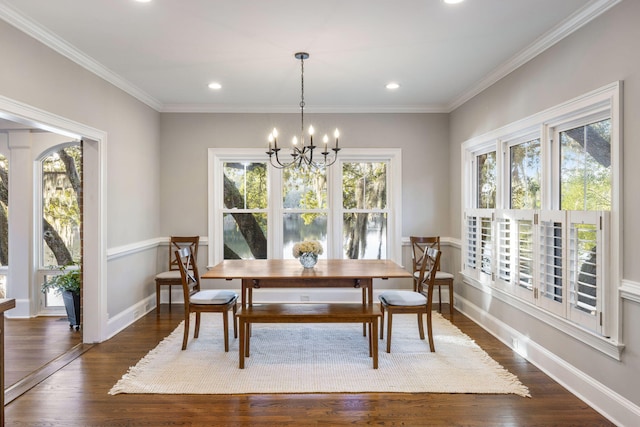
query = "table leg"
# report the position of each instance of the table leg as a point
(245, 292)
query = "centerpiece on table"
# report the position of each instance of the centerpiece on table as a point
(307, 252)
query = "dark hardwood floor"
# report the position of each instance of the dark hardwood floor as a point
(30, 344)
(76, 395)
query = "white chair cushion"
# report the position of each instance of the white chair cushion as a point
(439, 275)
(405, 298)
(173, 274)
(443, 275)
(213, 296)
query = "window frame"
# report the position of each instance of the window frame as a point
(218, 156)
(42, 270)
(604, 102)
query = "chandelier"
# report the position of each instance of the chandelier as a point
(302, 154)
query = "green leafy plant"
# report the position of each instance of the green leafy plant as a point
(67, 280)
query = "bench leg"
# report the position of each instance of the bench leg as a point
(374, 341)
(225, 325)
(241, 345)
(247, 337)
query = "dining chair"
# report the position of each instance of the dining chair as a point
(443, 278)
(418, 301)
(197, 300)
(171, 277)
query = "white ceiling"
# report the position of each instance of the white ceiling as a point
(167, 51)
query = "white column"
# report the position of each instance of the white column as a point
(20, 224)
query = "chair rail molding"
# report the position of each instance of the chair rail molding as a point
(630, 291)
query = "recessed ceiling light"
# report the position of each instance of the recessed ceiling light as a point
(392, 85)
(215, 86)
(453, 1)
(143, 1)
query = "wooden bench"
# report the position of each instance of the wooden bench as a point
(309, 313)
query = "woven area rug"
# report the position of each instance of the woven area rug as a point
(319, 358)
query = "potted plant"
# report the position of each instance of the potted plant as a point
(67, 284)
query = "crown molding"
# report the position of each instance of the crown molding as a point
(574, 22)
(274, 109)
(46, 37)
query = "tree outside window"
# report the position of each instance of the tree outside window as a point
(526, 170)
(4, 221)
(245, 210)
(486, 178)
(61, 215)
(364, 195)
(305, 207)
(585, 167)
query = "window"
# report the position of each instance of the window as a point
(585, 167)
(546, 239)
(61, 191)
(525, 174)
(353, 207)
(4, 223)
(245, 208)
(305, 208)
(486, 172)
(365, 210)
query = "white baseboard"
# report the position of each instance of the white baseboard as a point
(22, 310)
(607, 402)
(127, 317)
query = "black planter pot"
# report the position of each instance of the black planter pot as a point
(72, 305)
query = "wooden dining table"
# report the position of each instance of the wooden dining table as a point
(288, 273)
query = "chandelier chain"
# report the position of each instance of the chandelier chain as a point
(302, 104)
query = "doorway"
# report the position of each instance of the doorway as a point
(21, 267)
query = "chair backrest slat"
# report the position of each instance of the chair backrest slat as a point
(188, 273)
(428, 270)
(178, 242)
(418, 246)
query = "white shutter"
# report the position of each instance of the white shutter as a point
(478, 252)
(504, 249)
(471, 238)
(486, 246)
(523, 234)
(586, 263)
(551, 249)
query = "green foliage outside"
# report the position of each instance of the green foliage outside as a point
(364, 187)
(487, 170)
(67, 280)
(526, 170)
(586, 167)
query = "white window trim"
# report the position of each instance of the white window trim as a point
(218, 156)
(609, 98)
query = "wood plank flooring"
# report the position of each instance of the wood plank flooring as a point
(77, 396)
(32, 343)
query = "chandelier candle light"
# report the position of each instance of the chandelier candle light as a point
(302, 155)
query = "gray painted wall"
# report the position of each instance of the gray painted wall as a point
(602, 52)
(423, 139)
(35, 75)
